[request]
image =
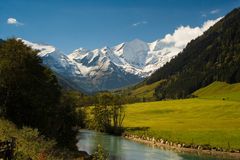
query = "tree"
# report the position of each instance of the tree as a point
(118, 113)
(30, 94)
(108, 113)
(102, 112)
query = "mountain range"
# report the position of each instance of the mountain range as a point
(114, 67)
(106, 68)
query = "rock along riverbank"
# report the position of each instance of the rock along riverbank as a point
(183, 148)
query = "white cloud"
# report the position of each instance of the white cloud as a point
(215, 11)
(13, 21)
(209, 23)
(139, 23)
(184, 34)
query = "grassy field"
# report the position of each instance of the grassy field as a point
(220, 90)
(205, 120)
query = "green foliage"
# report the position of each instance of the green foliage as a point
(100, 154)
(29, 143)
(214, 56)
(107, 114)
(30, 94)
(27, 89)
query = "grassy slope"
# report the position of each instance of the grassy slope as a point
(145, 91)
(220, 90)
(200, 121)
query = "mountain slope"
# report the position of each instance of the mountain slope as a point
(136, 57)
(214, 56)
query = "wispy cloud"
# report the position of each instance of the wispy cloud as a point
(211, 12)
(139, 23)
(204, 15)
(14, 21)
(215, 11)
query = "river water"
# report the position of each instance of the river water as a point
(120, 148)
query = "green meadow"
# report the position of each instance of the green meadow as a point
(212, 119)
(220, 90)
(145, 91)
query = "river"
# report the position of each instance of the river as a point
(120, 148)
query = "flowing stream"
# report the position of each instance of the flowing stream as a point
(120, 148)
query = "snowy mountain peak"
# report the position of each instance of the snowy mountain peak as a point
(81, 50)
(43, 49)
(135, 57)
(106, 50)
(135, 53)
(136, 41)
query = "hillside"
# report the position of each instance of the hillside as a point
(141, 92)
(220, 90)
(145, 91)
(214, 56)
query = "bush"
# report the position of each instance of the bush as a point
(29, 143)
(100, 154)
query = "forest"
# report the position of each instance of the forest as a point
(214, 56)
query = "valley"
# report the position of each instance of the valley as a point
(176, 97)
(207, 124)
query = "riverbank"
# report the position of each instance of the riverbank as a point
(183, 148)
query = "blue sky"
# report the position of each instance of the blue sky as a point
(70, 24)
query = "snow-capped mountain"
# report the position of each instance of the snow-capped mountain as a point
(54, 59)
(114, 67)
(106, 68)
(136, 57)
